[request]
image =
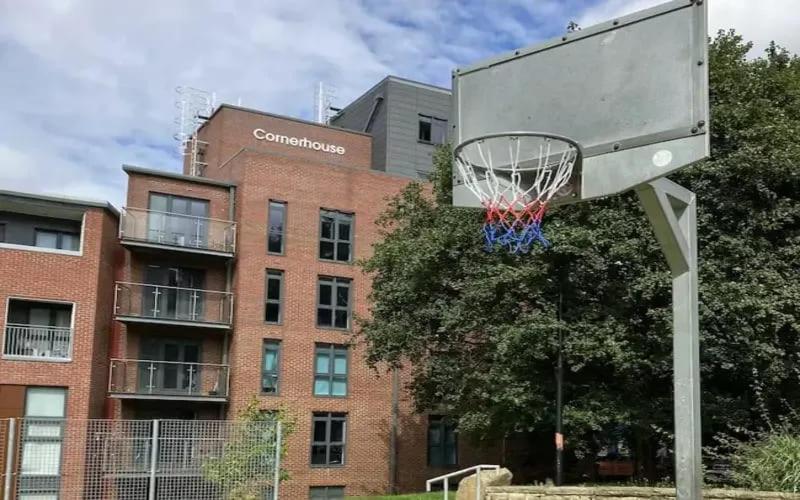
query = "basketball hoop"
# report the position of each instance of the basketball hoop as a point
(516, 175)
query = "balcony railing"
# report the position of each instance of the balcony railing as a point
(183, 232)
(172, 379)
(172, 305)
(41, 343)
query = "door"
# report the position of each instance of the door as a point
(179, 372)
(176, 220)
(178, 294)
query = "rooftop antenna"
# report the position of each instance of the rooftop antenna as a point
(194, 107)
(324, 109)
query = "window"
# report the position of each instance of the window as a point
(336, 236)
(42, 434)
(2, 233)
(270, 366)
(326, 493)
(41, 330)
(333, 308)
(330, 370)
(57, 239)
(432, 130)
(272, 309)
(276, 224)
(176, 220)
(328, 439)
(442, 442)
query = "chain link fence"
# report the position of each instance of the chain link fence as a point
(63, 459)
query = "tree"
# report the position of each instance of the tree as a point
(245, 468)
(481, 329)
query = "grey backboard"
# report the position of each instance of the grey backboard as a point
(633, 92)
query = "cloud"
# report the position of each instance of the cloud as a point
(89, 84)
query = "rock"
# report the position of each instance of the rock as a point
(466, 487)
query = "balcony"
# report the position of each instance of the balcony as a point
(37, 343)
(151, 229)
(171, 305)
(173, 380)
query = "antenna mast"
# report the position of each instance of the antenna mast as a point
(194, 107)
(324, 97)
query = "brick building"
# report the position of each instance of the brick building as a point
(237, 280)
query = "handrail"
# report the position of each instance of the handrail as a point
(446, 478)
(167, 362)
(199, 217)
(153, 285)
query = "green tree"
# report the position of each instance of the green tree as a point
(482, 328)
(245, 468)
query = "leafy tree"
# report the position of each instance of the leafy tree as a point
(482, 328)
(249, 453)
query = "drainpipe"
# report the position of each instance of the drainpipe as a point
(393, 435)
(228, 288)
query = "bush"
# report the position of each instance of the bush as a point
(771, 463)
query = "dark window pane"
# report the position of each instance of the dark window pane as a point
(439, 132)
(326, 250)
(343, 252)
(342, 295)
(273, 314)
(269, 384)
(337, 431)
(341, 319)
(336, 455)
(46, 239)
(2, 233)
(324, 317)
(275, 243)
(344, 231)
(325, 294)
(273, 288)
(424, 130)
(318, 455)
(327, 227)
(319, 430)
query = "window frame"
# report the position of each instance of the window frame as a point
(327, 489)
(278, 274)
(335, 280)
(443, 423)
(26, 437)
(59, 238)
(431, 120)
(328, 418)
(331, 350)
(337, 216)
(270, 231)
(276, 346)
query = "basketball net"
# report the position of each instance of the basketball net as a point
(515, 176)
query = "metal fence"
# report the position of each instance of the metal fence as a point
(39, 342)
(57, 459)
(168, 378)
(178, 230)
(159, 303)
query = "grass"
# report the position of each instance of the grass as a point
(414, 496)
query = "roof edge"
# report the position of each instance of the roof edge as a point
(280, 117)
(69, 200)
(133, 169)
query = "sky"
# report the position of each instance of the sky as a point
(89, 85)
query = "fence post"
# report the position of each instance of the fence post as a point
(12, 434)
(277, 478)
(151, 493)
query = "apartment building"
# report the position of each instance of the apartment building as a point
(234, 280)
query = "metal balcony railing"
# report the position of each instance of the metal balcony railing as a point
(188, 232)
(168, 378)
(35, 342)
(172, 304)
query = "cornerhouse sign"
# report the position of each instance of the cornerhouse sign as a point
(305, 142)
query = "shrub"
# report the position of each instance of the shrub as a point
(771, 463)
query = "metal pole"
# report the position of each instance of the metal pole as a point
(151, 493)
(478, 484)
(560, 395)
(672, 211)
(277, 477)
(12, 435)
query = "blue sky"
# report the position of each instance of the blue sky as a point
(88, 85)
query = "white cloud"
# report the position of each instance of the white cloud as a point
(88, 85)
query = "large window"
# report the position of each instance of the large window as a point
(274, 297)
(333, 307)
(60, 240)
(41, 330)
(442, 442)
(326, 493)
(432, 130)
(270, 367)
(42, 434)
(328, 439)
(177, 220)
(276, 227)
(336, 236)
(2, 232)
(330, 370)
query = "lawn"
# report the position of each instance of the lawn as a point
(414, 496)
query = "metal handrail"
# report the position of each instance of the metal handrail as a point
(233, 223)
(446, 478)
(153, 285)
(194, 386)
(38, 336)
(216, 235)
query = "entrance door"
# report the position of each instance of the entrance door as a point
(178, 372)
(181, 298)
(176, 220)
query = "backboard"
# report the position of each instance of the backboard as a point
(632, 92)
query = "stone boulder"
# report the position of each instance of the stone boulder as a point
(466, 487)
